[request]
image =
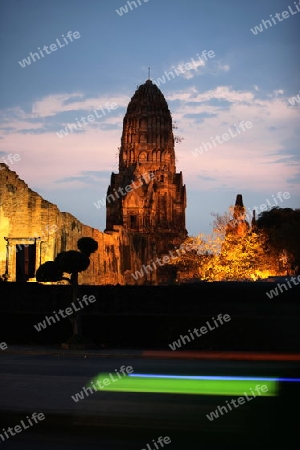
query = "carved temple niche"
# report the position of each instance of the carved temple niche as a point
(143, 156)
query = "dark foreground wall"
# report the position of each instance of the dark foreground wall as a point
(155, 316)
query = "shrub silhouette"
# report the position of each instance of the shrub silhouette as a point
(87, 245)
(49, 271)
(71, 262)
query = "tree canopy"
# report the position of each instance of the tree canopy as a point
(281, 227)
(234, 251)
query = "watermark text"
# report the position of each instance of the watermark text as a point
(53, 47)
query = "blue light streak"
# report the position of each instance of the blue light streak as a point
(212, 377)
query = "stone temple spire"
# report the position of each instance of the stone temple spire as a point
(152, 196)
(147, 137)
(238, 225)
(239, 209)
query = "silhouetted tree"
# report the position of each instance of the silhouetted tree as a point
(87, 245)
(71, 262)
(49, 271)
(282, 229)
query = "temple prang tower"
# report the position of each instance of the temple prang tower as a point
(147, 197)
(238, 225)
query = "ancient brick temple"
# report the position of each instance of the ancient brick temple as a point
(152, 198)
(145, 201)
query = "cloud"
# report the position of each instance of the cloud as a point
(191, 68)
(50, 114)
(87, 177)
(199, 117)
(57, 103)
(195, 67)
(41, 130)
(218, 67)
(263, 157)
(74, 99)
(278, 92)
(109, 126)
(220, 92)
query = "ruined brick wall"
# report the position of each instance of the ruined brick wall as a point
(25, 215)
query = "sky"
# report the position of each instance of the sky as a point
(94, 56)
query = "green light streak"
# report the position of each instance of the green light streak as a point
(184, 386)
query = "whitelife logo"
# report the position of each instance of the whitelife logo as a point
(86, 120)
(265, 206)
(106, 381)
(10, 159)
(69, 311)
(53, 48)
(274, 292)
(240, 401)
(161, 441)
(164, 260)
(225, 136)
(3, 346)
(124, 9)
(294, 100)
(267, 23)
(202, 330)
(184, 68)
(18, 428)
(143, 179)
